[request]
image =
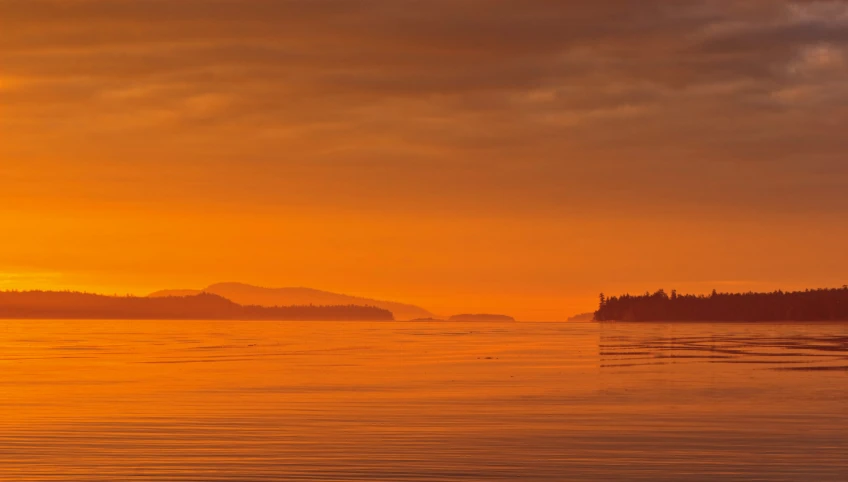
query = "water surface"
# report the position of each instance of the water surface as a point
(298, 401)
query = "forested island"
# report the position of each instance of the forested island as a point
(203, 306)
(809, 305)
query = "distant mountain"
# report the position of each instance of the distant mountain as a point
(481, 317)
(254, 295)
(203, 306)
(582, 317)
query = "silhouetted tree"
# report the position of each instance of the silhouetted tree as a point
(809, 305)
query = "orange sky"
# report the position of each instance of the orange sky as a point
(505, 156)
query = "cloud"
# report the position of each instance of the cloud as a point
(544, 85)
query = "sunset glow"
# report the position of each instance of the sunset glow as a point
(423, 240)
(455, 155)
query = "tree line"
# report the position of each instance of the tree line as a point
(204, 306)
(808, 305)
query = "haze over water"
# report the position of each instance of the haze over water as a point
(254, 401)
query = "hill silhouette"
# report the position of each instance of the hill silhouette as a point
(809, 305)
(254, 295)
(203, 306)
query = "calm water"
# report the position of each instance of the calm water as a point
(255, 401)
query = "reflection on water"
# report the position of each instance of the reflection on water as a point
(811, 347)
(254, 401)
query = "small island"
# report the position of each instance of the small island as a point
(581, 317)
(809, 305)
(480, 317)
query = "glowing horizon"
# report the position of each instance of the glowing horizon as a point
(460, 156)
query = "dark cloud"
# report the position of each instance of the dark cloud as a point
(626, 86)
